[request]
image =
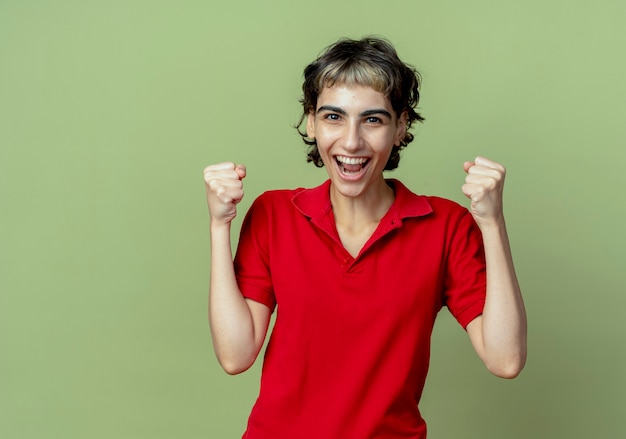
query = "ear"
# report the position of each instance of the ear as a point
(401, 128)
(310, 125)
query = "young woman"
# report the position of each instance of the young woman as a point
(358, 267)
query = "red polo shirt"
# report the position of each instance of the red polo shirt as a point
(349, 351)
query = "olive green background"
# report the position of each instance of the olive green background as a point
(109, 110)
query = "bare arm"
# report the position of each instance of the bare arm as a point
(238, 326)
(499, 335)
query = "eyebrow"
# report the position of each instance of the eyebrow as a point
(343, 112)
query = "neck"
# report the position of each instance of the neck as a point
(366, 208)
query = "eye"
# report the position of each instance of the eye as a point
(373, 119)
(332, 116)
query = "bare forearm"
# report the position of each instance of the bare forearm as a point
(504, 317)
(499, 335)
(231, 322)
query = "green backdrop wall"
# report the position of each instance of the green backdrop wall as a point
(109, 110)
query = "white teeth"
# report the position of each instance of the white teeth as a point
(351, 160)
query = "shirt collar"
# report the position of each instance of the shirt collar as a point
(315, 202)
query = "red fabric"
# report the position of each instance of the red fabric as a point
(349, 352)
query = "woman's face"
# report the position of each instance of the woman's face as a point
(355, 128)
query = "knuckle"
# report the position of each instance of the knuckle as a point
(213, 184)
(221, 192)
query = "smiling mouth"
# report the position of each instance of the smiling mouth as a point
(351, 165)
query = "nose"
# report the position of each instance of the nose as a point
(352, 136)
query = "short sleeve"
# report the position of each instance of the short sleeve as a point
(465, 281)
(252, 264)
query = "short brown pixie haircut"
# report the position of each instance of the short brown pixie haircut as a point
(373, 62)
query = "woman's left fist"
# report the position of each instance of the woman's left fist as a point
(484, 185)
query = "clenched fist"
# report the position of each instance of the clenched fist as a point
(224, 190)
(484, 185)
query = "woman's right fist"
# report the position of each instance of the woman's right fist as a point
(224, 190)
